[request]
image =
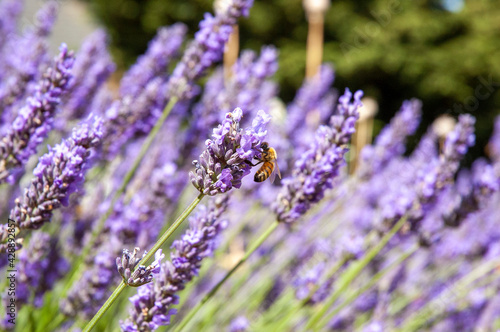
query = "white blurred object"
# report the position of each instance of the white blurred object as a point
(443, 125)
(369, 108)
(316, 6)
(221, 6)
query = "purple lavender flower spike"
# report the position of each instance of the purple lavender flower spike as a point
(455, 147)
(93, 66)
(152, 305)
(228, 155)
(207, 48)
(248, 88)
(34, 121)
(128, 117)
(142, 275)
(391, 140)
(474, 195)
(161, 50)
(9, 13)
(311, 279)
(59, 173)
(92, 289)
(319, 165)
(23, 57)
(40, 266)
(45, 18)
(313, 104)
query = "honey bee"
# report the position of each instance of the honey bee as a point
(269, 168)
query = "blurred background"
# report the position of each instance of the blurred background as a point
(444, 52)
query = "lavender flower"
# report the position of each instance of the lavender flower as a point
(229, 154)
(313, 105)
(206, 48)
(248, 88)
(152, 305)
(23, 57)
(319, 165)
(391, 140)
(34, 121)
(479, 189)
(142, 275)
(92, 289)
(161, 50)
(59, 173)
(40, 266)
(306, 283)
(9, 12)
(93, 66)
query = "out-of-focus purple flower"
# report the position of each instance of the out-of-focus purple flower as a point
(474, 195)
(226, 158)
(92, 289)
(22, 59)
(142, 275)
(161, 50)
(418, 196)
(93, 66)
(248, 88)
(391, 140)
(319, 165)
(313, 105)
(59, 173)
(239, 324)
(9, 13)
(40, 266)
(126, 117)
(152, 305)
(313, 278)
(440, 173)
(207, 48)
(34, 121)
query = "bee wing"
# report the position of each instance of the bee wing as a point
(275, 171)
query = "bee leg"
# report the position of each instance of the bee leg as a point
(250, 163)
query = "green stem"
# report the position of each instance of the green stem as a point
(436, 306)
(214, 290)
(314, 289)
(143, 261)
(369, 285)
(351, 273)
(105, 307)
(99, 226)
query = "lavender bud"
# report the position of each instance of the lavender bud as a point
(34, 121)
(391, 140)
(228, 155)
(206, 48)
(152, 305)
(59, 173)
(319, 165)
(142, 275)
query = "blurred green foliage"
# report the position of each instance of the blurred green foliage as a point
(392, 49)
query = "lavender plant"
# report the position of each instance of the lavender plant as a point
(408, 240)
(34, 120)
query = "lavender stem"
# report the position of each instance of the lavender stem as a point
(109, 302)
(351, 273)
(73, 275)
(214, 289)
(373, 281)
(459, 289)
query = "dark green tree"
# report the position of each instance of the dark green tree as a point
(392, 49)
